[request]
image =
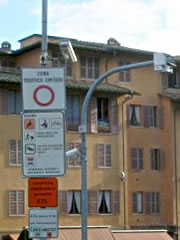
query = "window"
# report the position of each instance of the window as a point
(69, 69)
(171, 80)
(73, 112)
(137, 158)
(16, 203)
(104, 155)
(14, 102)
(104, 202)
(134, 115)
(15, 153)
(155, 159)
(89, 67)
(137, 202)
(125, 75)
(152, 202)
(150, 116)
(103, 115)
(74, 202)
(74, 161)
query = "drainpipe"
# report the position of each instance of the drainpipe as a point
(175, 173)
(129, 97)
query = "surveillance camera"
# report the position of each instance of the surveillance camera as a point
(122, 176)
(67, 50)
(74, 153)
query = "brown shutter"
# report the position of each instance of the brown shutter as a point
(93, 113)
(92, 202)
(134, 202)
(147, 202)
(115, 202)
(152, 159)
(100, 155)
(3, 100)
(158, 201)
(162, 159)
(114, 115)
(146, 116)
(141, 158)
(161, 117)
(63, 202)
(165, 80)
(178, 79)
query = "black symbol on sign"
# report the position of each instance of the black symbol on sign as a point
(30, 148)
(44, 123)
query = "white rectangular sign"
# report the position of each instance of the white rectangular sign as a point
(43, 223)
(43, 144)
(43, 88)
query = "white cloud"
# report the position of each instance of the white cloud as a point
(3, 2)
(144, 24)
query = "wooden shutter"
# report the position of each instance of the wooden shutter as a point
(12, 152)
(162, 159)
(134, 202)
(12, 203)
(115, 202)
(100, 155)
(108, 155)
(161, 117)
(146, 116)
(19, 153)
(165, 80)
(158, 202)
(152, 159)
(114, 115)
(20, 203)
(92, 202)
(141, 158)
(63, 202)
(93, 113)
(134, 158)
(4, 101)
(147, 202)
(178, 79)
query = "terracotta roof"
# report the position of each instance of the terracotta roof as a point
(173, 94)
(142, 235)
(15, 77)
(93, 46)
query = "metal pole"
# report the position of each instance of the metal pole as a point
(83, 131)
(44, 53)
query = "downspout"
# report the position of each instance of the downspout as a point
(175, 173)
(129, 97)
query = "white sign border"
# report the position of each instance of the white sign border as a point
(39, 209)
(22, 137)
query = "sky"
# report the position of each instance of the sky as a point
(152, 25)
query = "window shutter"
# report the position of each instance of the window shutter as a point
(178, 79)
(162, 159)
(63, 202)
(19, 154)
(4, 100)
(93, 115)
(158, 202)
(165, 80)
(100, 155)
(134, 158)
(161, 117)
(114, 115)
(12, 152)
(148, 203)
(18, 102)
(21, 204)
(92, 202)
(108, 155)
(146, 116)
(140, 158)
(152, 159)
(134, 202)
(115, 202)
(12, 203)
